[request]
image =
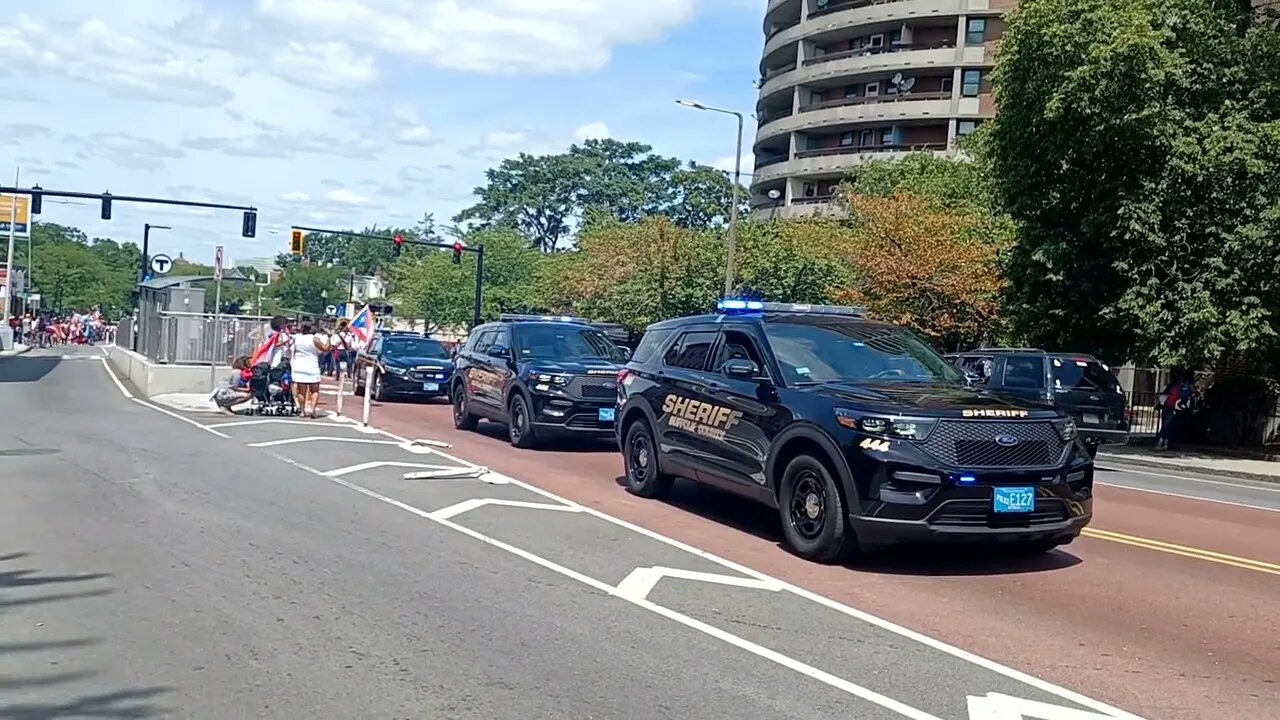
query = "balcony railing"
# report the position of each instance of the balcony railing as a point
(764, 118)
(779, 28)
(765, 160)
(837, 6)
(860, 149)
(892, 47)
(813, 200)
(872, 99)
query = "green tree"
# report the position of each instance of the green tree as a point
(1138, 149)
(309, 289)
(548, 197)
(793, 260)
(71, 276)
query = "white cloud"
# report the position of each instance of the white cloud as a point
(285, 145)
(126, 150)
(491, 37)
(591, 131)
(409, 128)
(94, 52)
(346, 197)
(296, 196)
(327, 66)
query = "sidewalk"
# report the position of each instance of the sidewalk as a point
(1192, 460)
(17, 350)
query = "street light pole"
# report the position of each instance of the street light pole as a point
(146, 248)
(732, 247)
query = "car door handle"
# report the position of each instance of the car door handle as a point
(712, 389)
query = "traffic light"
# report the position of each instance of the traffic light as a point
(297, 241)
(457, 252)
(37, 200)
(397, 244)
(249, 226)
(106, 206)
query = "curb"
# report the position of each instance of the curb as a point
(1119, 462)
(15, 353)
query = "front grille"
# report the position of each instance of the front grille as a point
(598, 387)
(972, 444)
(427, 375)
(978, 513)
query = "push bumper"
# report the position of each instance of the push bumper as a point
(884, 532)
(561, 416)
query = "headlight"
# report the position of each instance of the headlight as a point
(904, 428)
(1067, 428)
(550, 378)
(394, 370)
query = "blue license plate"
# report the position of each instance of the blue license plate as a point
(431, 387)
(607, 414)
(1014, 499)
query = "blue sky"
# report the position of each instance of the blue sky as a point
(341, 113)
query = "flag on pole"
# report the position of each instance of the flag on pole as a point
(263, 353)
(362, 327)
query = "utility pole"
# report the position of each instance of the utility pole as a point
(145, 265)
(8, 262)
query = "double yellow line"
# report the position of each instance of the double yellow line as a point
(1184, 551)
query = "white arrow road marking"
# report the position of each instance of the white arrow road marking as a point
(453, 473)
(641, 581)
(319, 438)
(475, 503)
(996, 706)
(385, 463)
(273, 421)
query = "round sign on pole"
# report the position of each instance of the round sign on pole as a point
(161, 264)
(331, 310)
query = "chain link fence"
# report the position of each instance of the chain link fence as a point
(179, 338)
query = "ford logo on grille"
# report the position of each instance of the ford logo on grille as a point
(1006, 440)
(611, 385)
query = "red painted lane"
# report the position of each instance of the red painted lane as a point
(1163, 636)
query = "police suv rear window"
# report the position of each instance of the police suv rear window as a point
(691, 350)
(1082, 374)
(649, 345)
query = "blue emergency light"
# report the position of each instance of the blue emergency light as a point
(966, 479)
(730, 306)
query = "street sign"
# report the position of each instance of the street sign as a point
(161, 264)
(22, 223)
(217, 264)
(331, 310)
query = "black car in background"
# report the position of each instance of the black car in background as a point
(540, 376)
(856, 431)
(405, 365)
(1077, 384)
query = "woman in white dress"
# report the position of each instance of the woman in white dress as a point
(305, 367)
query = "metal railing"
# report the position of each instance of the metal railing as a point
(180, 338)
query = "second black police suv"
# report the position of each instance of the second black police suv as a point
(539, 375)
(858, 432)
(405, 364)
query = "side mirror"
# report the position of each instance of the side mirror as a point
(626, 352)
(741, 369)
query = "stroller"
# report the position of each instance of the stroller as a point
(272, 389)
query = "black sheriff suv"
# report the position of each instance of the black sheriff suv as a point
(856, 431)
(541, 376)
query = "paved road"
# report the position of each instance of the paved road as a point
(160, 564)
(1167, 608)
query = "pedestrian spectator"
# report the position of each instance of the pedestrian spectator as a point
(1176, 404)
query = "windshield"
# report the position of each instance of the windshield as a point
(822, 351)
(1084, 375)
(566, 342)
(414, 348)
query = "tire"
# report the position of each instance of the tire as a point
(520, 430)
(462, 417)
(1092, 450)
(640, 463)
(379, 388)
(814, 519)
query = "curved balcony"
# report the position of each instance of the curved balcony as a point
(851, 111)
(835, 161)
(863, 12)
(873, 60)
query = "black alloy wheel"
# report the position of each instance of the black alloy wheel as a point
(813, 512)
(641, 463)
(519, 424)
(462, 417)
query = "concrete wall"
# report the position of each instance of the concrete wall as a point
(153, 379)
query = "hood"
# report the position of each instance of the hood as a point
(930, 400)
(577, 367)
(407, 361)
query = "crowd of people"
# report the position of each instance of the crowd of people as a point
(311, 352)
(47, 329)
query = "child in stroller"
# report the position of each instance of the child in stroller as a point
(272, 390)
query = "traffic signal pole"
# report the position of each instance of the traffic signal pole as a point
(457, 247)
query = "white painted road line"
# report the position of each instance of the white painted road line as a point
(1185, 496)
(270, 421)
(320, 438)
(996, 706)
(1188, 478)
(385, 463)
(642, 581)
(111, 374)
(477, 503)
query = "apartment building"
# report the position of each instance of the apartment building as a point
(843, 81)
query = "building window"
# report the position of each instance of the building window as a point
(945, 85)
(970, 83)
(975, 32)
(888, 137)
(846, 139)
(965, 127)
(851, 91)
(865, 138)
(895, 38)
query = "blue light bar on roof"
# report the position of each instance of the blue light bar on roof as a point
(539, 318)
(733, 305)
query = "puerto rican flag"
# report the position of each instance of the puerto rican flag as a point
(362, 327)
